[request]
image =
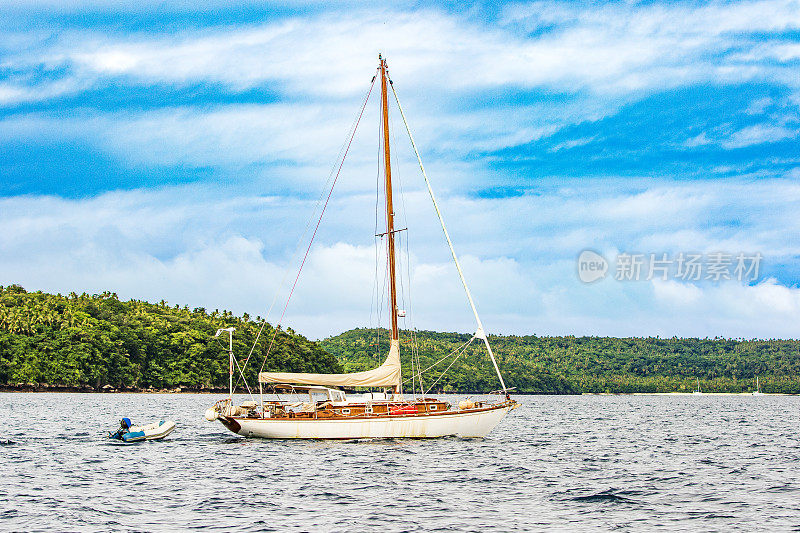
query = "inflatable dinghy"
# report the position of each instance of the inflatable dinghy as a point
(154, 431)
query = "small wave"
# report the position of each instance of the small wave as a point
(333, 496)
(6, 442)
(786, 487)
(705, 515)
(606, 496)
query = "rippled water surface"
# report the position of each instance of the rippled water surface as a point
(571, 462)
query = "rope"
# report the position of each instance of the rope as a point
(376, 289)
(419, 363)
(460, 348)
(449, 242)
(345, 146)
(319, 221)
(449, 367)
(241, 373)
(241, 370)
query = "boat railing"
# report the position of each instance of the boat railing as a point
(327, 409)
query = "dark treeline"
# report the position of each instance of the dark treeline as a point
(568, 365)
(98, 340)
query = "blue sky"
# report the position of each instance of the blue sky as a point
(165, 150)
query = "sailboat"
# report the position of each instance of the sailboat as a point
(757, 392)
(328, 409)
(697, 390)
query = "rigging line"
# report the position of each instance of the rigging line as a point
(401, 265)
(481, 333)
(375, 296)
(419, 364)
(408, 320)
(402, 297)
(345, 146)
(297, 247)
(449, 367)
(322, 214)
(381, 295)
(241, 373)
(405, 262)
(381, 283)
(460, 348)
(240, 369)
(409, 310)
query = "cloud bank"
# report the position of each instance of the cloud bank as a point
(177, 153)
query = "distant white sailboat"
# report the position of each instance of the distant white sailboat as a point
(757, 392)
(697, 390)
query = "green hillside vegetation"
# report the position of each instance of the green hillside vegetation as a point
(97, 340)
(568, 365)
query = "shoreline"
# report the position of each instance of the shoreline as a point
(44, 388)
(107, 389)
(684, 394)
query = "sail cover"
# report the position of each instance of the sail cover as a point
(386, 375)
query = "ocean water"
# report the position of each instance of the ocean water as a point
(578, 463)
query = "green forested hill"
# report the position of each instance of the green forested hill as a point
(589, 364)
(97, 340)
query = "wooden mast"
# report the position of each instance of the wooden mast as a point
(389, 207)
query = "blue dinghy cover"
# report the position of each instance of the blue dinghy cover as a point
(133, 436)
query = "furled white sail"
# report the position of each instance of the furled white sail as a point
(386, 375)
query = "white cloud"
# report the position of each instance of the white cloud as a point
(572, 143)
(698, 140)
(778, 50)
(298, 141)
(196, 246)
(609, 49)
(759, 105)
(612, 49)
(18, 92)
(759, 134)
(603, 56)
(212, 247)
(9, 93)
(764, 310)
(676, 293)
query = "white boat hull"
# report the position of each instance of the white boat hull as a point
(477, 423)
